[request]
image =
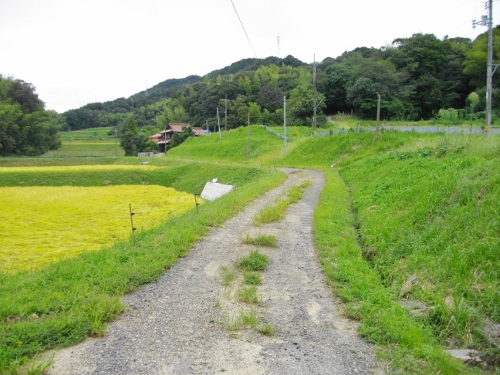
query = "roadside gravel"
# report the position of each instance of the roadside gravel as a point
(178, 324)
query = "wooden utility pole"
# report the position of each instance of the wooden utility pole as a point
(489, 78)
(314, 95)
(248, 138)
(218, 123)
(378, 114)
(284, 123)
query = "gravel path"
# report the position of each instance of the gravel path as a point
(178, 324)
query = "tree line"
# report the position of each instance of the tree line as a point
(417, 78)
(26, 128)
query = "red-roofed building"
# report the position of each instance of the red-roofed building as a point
(164, 137)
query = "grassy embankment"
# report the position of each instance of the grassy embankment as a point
(66, 301)
(264, 147)
(411, 217)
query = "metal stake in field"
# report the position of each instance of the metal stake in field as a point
(115, 142)
(195, 200)
(131, 219)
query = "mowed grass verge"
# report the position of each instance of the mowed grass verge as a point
(46, 224)
(65, 302)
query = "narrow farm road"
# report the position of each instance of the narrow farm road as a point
(186, 322)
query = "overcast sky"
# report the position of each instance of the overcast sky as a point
(81, 51)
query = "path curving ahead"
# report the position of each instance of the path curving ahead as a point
(178, 324)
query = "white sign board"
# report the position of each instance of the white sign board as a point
(214, 190)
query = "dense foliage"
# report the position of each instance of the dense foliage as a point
(133, 142)
(416, 78)
(26, 128)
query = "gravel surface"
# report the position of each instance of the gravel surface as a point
(179, 324)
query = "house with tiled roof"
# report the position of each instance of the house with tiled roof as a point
(164, 137)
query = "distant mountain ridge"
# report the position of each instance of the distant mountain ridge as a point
(417, 78)
(160, 89)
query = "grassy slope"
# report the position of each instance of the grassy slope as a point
(264, 147)
(426, 212)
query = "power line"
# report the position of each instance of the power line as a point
(244, 29)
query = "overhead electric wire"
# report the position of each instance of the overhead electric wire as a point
(244, 29)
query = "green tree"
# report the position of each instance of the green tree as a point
(473, 102)
(26, 128)
(130, 140)
(338, 77)
(378, 76)
(270, 97)
(237, 112)
(434, 69)
(300, 102)
(476, 58)
(255, 113)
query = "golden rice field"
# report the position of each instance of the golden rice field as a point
(40, 225)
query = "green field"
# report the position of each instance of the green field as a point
(407, 217)
(96, 135)
(87, 143)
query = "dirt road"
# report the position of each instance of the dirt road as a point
(180, 323)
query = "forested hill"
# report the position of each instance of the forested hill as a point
(416, 77)
(160, 91)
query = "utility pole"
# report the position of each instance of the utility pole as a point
(378, 114)
(314, 95)
(278, 57)
(248, 138)
(115, 141)
(488, 21)
(284, 123)
(218, 123)
(489, 79)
